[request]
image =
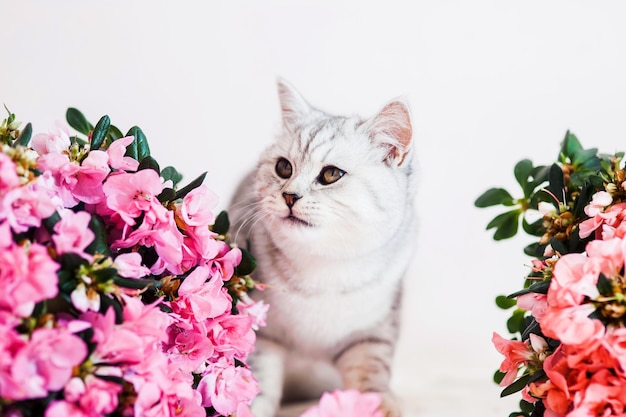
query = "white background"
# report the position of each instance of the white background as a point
(489, 82)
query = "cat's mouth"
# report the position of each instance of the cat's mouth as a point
(291, 219)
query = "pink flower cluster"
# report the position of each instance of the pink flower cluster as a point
(148, 326)
(585, 310)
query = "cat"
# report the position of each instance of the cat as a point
(329, 215)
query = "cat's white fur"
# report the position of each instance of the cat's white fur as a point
(334, 275)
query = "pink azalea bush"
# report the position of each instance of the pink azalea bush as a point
(121, 294)
(568, 351)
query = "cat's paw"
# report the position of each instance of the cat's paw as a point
(263, 407)
(390, 405)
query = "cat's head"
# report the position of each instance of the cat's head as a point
(336, 185)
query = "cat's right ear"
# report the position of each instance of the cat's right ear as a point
(294, 108)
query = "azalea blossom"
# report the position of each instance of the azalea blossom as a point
(347, 403)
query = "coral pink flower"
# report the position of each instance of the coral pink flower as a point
(536, 303)
(515, 353)
(57, 140)
(72, 234)
(599, 201)
(225, 386)
(116, 152)
(131, 194)
(348, 403)
(606, 221)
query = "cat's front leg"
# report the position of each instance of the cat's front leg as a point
(268, 365)
(366, 366)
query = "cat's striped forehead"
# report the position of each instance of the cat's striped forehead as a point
(318, 138)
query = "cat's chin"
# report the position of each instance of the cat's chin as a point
(294, 221)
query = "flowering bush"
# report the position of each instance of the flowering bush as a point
(568, 353)
(120, 293)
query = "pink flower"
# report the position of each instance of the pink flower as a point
(189, 348)
(116, 152)
(25, 207)
(225, 386)
(257, 310)
(536, 303)
(57, 140)
(608, 221)
(202, 296)
(196, 208)
(599, 201)
(515, 353)
(157, 230)
(27, 276)
(8, 174)
(129, 265)
(77, 182)
(233, 335)
(93, 170)
(114, 344)
(348, 403)
(72, 234)
(131, 194)
(45, 363)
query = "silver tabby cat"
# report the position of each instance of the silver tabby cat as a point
(329, 215)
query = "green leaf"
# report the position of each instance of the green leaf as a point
(149, 163)
(506, 224)
(505, 302)
(170, 173)
(138, 284)
(139, 148)
(515, 386)
(105, 274)
(493, 197)
(114, 133)
(585, 156)
(100, 132)
(514, 323)
(535, 228)
(49, 222)
(191, 186)
(570, 145)
(168, 194)
(24, 138)
(557, 182)
(247, 265)
(222, 223)
(605, 286)
(498, 376)
(539, 287)
(522, 172)
(100, 243)
(78, 121)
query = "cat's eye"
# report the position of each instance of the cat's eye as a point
(330, 174)
(283, 168)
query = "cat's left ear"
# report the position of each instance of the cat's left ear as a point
(391, 129)
(293, 106)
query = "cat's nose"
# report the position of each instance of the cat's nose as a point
(291, 198)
